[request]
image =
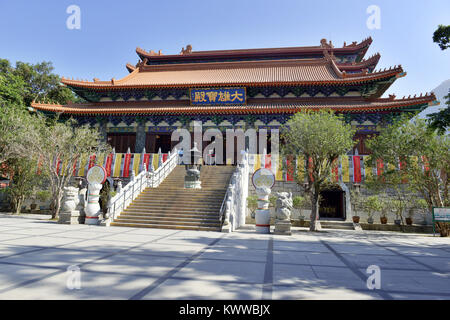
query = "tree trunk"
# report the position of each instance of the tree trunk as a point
(18, 205)
(314, 219)
(444, 229)
(56, 209)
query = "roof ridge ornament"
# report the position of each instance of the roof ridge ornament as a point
(324, 44)
(188, 50)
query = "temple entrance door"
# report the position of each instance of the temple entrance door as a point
(332, 205)
(154, 141)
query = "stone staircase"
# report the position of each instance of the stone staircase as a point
(341, 225)
(170, 206)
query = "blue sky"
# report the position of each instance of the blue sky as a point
(34, 31)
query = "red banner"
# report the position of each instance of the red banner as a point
(108, 165)
(91, 161)
(290, 169)
(146, 160)
(357, 168)
(402, 167)
(426, 165)
(310, 169)
(126, 165)
(380, 166)
(74, 171)
(268, 162)
(164, 156)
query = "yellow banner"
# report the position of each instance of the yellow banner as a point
(155, 161)
(257, 162)
(136, 163)
(301, 168)
(345, 169)
(117, 165)
(82, 169)
(279, 166)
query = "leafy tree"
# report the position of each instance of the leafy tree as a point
(424, 154)
(441, 120)
(23, 180)
(321, 137)
(33, 82)
(442, 36)
(18, 133)
(65, 142)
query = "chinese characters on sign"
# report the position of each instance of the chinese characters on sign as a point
(222, 96)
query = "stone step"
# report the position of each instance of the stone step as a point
(192, 202)
(212, 219)
(168, 222)
(173, 215)
(337, 225)
(169, 226)
(171, 206)
(178, 211)
(187, 206)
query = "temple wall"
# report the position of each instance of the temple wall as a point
(297, 190)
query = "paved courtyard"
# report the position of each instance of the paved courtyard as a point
(130, 263)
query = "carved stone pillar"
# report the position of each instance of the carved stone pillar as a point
(93, 206)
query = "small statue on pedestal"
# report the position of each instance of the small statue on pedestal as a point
(283, 210)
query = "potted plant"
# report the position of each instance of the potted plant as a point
(252, 205)
(398, 206)
(356, 201)
(385, 205)
(298, 203)
(373, 204)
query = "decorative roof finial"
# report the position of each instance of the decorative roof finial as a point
(188, 49)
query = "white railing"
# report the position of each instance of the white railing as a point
(137, 184)
(234, 206)
(155, 178)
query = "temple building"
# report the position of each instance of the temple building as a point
(259, 88)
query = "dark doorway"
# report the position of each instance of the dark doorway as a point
(122, 141)
(154, 142)
(332, 204)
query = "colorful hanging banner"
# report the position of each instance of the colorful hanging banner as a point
(357, 169)
(126, 165)
(345, 169)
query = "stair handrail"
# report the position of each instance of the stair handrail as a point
(126, 195)
(234, 205)
(155, 178)
(137, 184)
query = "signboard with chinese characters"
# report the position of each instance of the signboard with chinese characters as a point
(441, 214)
(218, 96)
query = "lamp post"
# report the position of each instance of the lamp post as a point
(192, 178)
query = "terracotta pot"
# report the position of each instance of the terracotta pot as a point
(409, 221)
(355, 219)
(383, 220)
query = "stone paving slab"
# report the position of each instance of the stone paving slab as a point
(200, 290)
(130, 263)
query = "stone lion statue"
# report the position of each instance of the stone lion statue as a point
(283, 206)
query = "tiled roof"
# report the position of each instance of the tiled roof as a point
(324, 45)
(293, 72)
(254, 106)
